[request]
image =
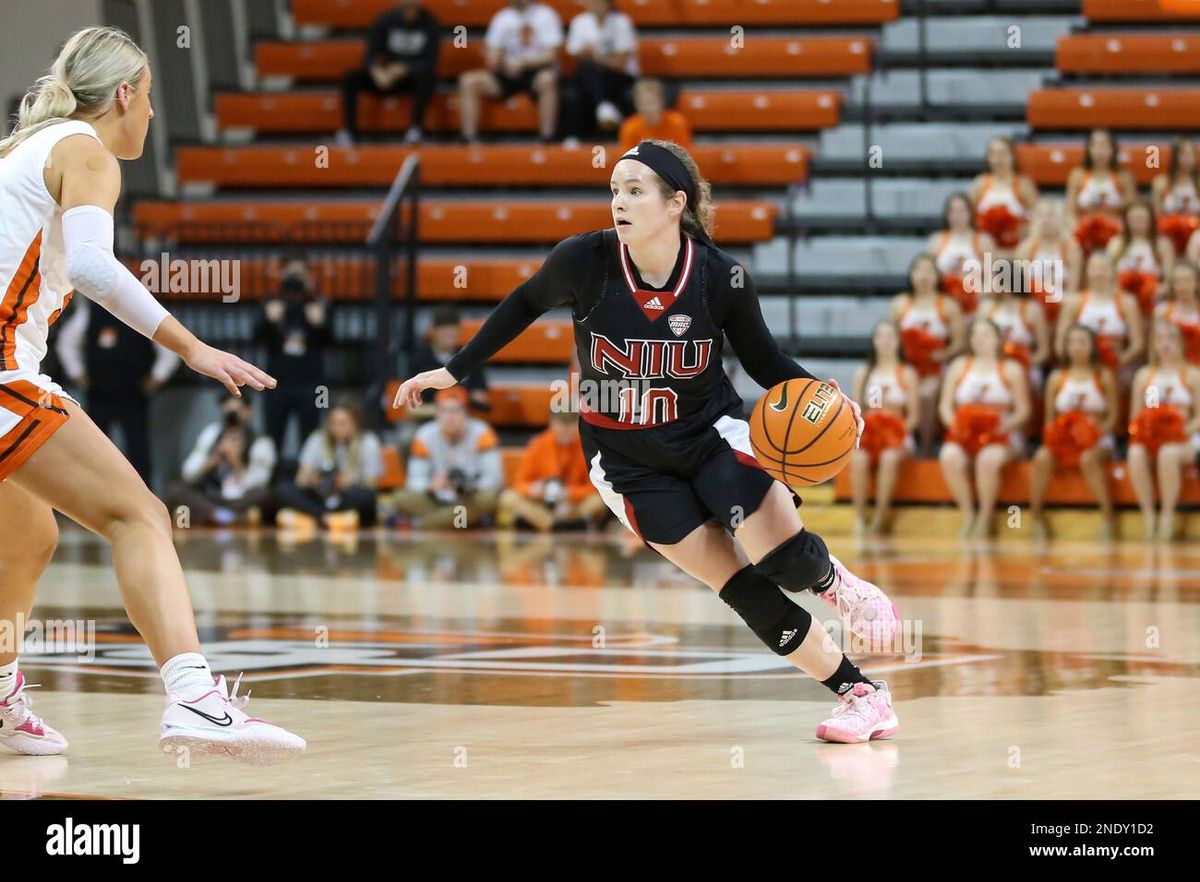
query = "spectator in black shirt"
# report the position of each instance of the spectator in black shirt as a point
(295, 329)
(401, 56)
(445, 339)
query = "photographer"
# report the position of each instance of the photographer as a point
(454, 461)
(336, 484)
(552, 490)
(295, 329)
(228, 472)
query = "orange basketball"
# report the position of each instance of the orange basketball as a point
(803, 432)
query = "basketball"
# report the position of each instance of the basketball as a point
(803, 431)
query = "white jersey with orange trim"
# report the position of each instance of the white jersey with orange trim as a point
(1047, 263)
(1182, 199)
(983, 387)
(1100, 193)
(1172, 389)
(1174, 314)
(955, 249)
(885, 389)
(1103, 318)
(997, 193)
(33, 276)
(1140, 257)
(1082, 395)
(926, 317)
(1014, 324)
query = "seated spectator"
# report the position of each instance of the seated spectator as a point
(521, 54)
(1164, 429)
(1097, 193)
(605, 43)
(295, 328)
(956, 248)
(401, 56)
(445, 339)
(1182, 307)
(1143, 256)
(1111, 314)
(1176, 195)
(1081, 393)
(338, 478)
(1052, 259)
(455, 473)
(1022, 323)
(984, 407)
(552, 489)
(653, 121)
(931, 333)
(227, 476)
(1002, 198)
(887, 389)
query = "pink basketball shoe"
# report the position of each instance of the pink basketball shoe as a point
(24, 731)
(865, 712)
(867, 611)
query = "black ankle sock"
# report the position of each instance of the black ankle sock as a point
(844, 678)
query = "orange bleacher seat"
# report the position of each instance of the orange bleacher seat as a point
(440, 221)
(546, 341)
(921, 481)
(1138, 11)
(751, 164)
(348, 14)
(1128, 53)
(1050, 164)
(760, 110)
(329, 60)
(1146, 108)
(393, 469)
(512, 406)
(510, 457)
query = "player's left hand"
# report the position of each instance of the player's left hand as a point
(231, 371)
(858, 417)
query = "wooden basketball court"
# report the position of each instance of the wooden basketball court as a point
(499, 665)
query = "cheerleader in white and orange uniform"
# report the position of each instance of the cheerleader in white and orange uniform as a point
(1052, 258)
(1111, 314)
(1164, 431)
(1143, 258)
(1182, 307)
(887, 389)
(1176, 195)
(1097, 193)
(932, 332)
(1021, 321)
(1081, 419)
(956, 249)
(984, 406)
(1003, 200)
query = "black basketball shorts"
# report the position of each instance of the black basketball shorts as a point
(663, 483)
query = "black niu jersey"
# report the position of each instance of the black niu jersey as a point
(648, 356)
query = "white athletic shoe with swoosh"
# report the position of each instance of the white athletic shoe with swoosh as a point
(216, 724)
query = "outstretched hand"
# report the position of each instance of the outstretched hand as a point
(410, 390)
(225, 367)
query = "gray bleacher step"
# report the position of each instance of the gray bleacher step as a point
(930, 142)
(982, 89)
(1007, 38)
(852, 259)
(913, 198)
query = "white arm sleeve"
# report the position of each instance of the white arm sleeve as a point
(97, 274)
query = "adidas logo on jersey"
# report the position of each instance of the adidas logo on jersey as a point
(788, 635)
(653, 303)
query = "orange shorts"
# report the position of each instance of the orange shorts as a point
(29, 415)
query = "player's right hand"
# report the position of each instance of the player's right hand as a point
(410, 390)
(231, 371)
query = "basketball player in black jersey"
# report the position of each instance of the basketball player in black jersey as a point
(662, 427)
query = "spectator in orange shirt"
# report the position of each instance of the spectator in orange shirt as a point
(552, 488)
(652, 120)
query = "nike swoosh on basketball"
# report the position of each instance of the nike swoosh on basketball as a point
(226, 721)
(781, 405)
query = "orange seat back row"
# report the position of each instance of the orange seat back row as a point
(1139, 11)
(1108, 54)
(440, 222)
(753, 164)
(757, 110)
(750, 56)
(1165, 109)
(1050, 164)
(348, 14)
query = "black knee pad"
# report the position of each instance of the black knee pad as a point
(774, 619)
(801, 563)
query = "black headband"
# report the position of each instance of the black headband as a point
(667, 166)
